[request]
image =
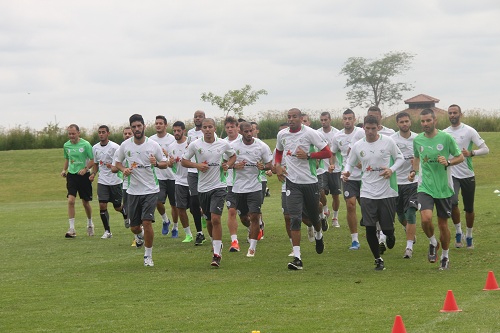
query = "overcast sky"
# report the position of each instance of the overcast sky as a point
(97, 62)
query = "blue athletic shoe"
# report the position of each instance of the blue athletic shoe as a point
(175, 233)
(165, 228)
(459, 238)
(355, 245)
(470, 244)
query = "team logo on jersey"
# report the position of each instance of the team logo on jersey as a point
(128, 153)
(382, 151)
(80, 150)
(362, 153)
(439, 147)
(237, 152)
(289, 153)
(421, 148)
(369, 168)
(200, 151)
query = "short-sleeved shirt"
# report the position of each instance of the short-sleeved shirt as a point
(229, 178)
(386, 131)
(104, 155)
(406, 147)
(340, 147)
(164, 142)
(192, 136)
(248, 179)
(329, 138)
(211, 154)
(435, 179)
(466, 137)
(176, 150)
(300, 171)
(143, 179)
(374, 158)
(77, 154)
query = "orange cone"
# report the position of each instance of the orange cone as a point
(491, 282)
(398, 326)
(450, 305)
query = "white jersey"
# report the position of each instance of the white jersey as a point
(300, 171)
(406, 147)
(192, 136)
(374, 158)
(212, 155)
(143, 178)
(103, 155)
(229, 178)
(325, 163)
(164, 142)
(176, 151)
(340, 147)
(386, 131)
(248, 179)
(465, 136)
(125, 164)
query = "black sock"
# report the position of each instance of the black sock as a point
(194, 209)
(105, 219)
(371, 237)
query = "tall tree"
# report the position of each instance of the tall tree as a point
(370, 81)
(234, 100)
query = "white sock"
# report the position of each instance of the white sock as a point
(296, 251)
(164, 217)
(187, 230)
(234, 238)
(322, 215)
(409, 244)
(458, 228)
(176, 226)
(148, 251)
(318, 234)
(253, 244)
(89, 222)
(354, 237)
(433, 240)
(335, 214)
(468, 232)
(325, 209)
(72, 223)
(444, 254)
(217, 246)
(382, 238)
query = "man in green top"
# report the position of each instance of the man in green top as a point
(78, 161)
(432, 149)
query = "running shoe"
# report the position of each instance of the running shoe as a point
(235, 246)
(216, 260)
(459, 240)
(320, 245)
(444, 264)
(90, 230)
(354, 245)
(379, 264)
(139, 241)
(260, 235)
(175, 233)
(107, 234)
(310, 234)
(335, 223)
(391, 241)
(295, 265)
(262, 226)
(251, 253)
(148, 261)
(408, 253)
(382, 248)
(188, 239)
(324, 224)
(71, 233)
(165, 227)
(200, 239)
(470, 244)
(126, 223)
(432, 255)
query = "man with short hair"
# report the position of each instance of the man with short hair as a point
(166, 178)
(109, 184)
(463, 173)
(406, 203)
(78, 160)
(141, 155)
(208, 153)
(380, 157)
(297, 144)
(432, 149)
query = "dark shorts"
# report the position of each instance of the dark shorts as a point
(248, 202)
(193, 183)
(141, 208)
(264, 189)
(79, 184)
(125, 200)
(407, 197)
(231, 198)
(468, 188)
(212, 202)
(323, 182)
(302, 200)
(284, 208)
(110, 193)
(334, 181)
(443, 206)
(182, 196)
(378, 210)
(167, 189)
(352, 188)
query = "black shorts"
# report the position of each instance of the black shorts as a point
(182, 196)
(302, 200)
(167, 189)
(284, 208)
(231, 198)
(264, 189)
(334, 181)
(79, 184)
(378, 210)
(248, 202)
(468, 188)
(110, 193)
(323, 182)
(407, 197)
(443, 206)
(212, 202)
(352, 188)
(141, 208)
(193, 183)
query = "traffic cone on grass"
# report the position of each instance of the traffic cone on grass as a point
(450, 305)
(398, 326)
(491, 282)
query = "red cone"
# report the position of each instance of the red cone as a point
(491, 282)
(398, 326)
(450, 305)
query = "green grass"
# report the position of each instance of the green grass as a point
(52, 284)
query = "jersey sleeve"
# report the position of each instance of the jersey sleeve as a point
(189, 153)
(318, 140)
(267, 155)
(89, 151)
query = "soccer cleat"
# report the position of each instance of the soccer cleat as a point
(320, 245)
(262, 226)
(71, 233)
(260, 235)
(444, 264)
(200, 239)
(268, 193)
(295, 264)
(175, 233)
(324, 224)
(382, 247)
(379, 264)
(251, 253)
(310, 234)
(90, 230)
(291, 254)
(335, 223)
(408, 253)
(126, 222)
(107, 234)
(354, 245)
(165, 227)
(391, 241)
(459, 239)
(235, 246)
(216, 260)
(139, 241)
(470, 244)
(188, 239)
(432, 254)
(148, 261)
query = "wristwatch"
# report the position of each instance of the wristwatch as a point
(449, 163)
(308, 155)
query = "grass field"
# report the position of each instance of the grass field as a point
(52, 284)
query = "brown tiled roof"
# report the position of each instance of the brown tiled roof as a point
(415, 113)
(422, 98)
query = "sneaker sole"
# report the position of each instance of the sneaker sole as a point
(69, 236)
(214, 264)
(294, 267)
(433, 260)
(233, 249)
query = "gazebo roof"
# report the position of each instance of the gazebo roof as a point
(421, 98)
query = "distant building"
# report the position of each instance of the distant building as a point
(422, 101)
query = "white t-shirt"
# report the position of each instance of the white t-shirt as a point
(374, 157)
(103, 155)
(465, 136)
(329, 138)
(229, 178)
(143, 178)
(192, 136)
(211, 154)
(300, 171)
(406, 147)
(176, 151)
(248, 179)
(341, 144)
(386, 131)
(164, 142)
